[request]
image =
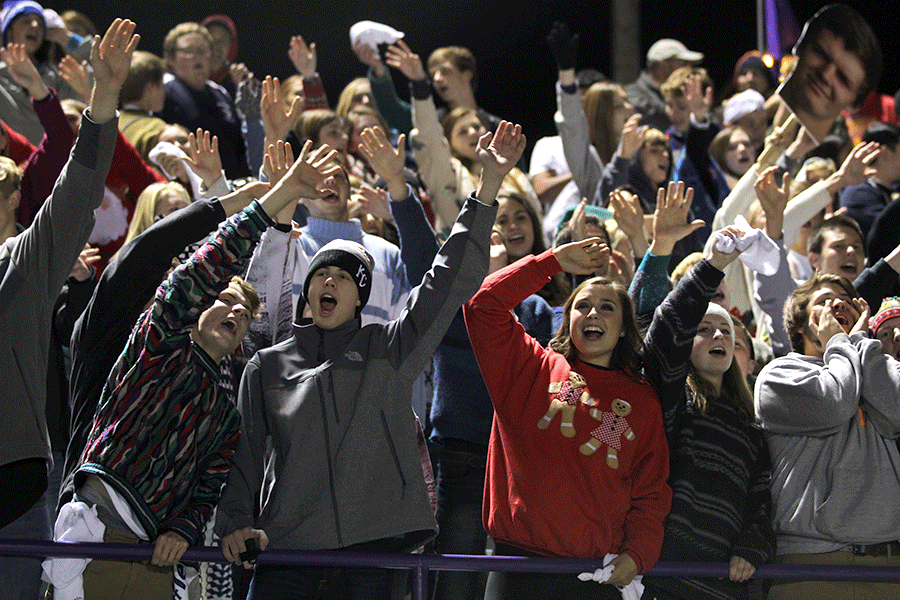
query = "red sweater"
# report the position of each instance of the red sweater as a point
(550, 486)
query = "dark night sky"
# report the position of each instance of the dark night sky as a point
(516, 69)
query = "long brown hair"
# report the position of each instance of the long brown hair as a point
(734, 390)
(628, 353)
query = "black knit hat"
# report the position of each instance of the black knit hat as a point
(352, 258)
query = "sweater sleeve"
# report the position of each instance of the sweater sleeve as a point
(876, 283)
(803, 207)
(650, 284)
(798, 395)
(432, 154)
(395, 111)
(314, 93)
(48, 159)
(670, 339)
(581, 156)
(494, 331)
(880, 386)
(418, 246)
(615, 175)
(196, 284)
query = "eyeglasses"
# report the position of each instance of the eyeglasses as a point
(194, 51)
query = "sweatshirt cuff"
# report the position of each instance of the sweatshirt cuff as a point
(420, 89)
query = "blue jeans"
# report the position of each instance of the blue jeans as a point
(320, 583)
(460, 493)
(20, 576)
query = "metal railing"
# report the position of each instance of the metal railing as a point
(421, 564)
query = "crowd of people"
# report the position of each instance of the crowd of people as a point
(237, 314)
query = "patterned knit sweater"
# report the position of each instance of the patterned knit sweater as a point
(720, 471)
(161, 437)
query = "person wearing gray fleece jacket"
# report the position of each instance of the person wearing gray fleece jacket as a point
(343, 469)
(831, 414)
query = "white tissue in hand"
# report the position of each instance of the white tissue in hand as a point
(371, 34)
(758, 252)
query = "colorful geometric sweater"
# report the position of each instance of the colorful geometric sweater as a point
(720, 466)
(161, 437)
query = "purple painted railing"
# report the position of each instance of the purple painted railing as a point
(420, 564)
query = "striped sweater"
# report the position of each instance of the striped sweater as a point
(161, 437)
(720, 471)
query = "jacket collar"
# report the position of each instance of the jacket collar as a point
(323, 344)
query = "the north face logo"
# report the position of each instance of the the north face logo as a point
(353, 355)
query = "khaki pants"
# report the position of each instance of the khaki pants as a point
(124, 579)
(835, 590)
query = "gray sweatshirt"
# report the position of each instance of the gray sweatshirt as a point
(832, 425)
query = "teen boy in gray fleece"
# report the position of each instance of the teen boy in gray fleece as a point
(344, 469)
(831, 413)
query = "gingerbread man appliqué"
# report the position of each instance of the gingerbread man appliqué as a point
(612, 427)
(568, 395)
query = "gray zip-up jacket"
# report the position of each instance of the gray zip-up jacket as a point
(343, 466)
(831, 424)
(34, 266)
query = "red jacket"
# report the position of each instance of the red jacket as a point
(558, 494)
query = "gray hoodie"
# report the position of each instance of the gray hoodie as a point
(832, 425)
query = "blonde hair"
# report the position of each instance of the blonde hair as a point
(145, 209)
(10, 177)
(345, 100)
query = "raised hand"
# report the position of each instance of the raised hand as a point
(864, 312)
(857, 166)
(720, 259)
(498, 153)
(628, 213)
(368, 56)
(632, 136)
(376, 202)
(238, 72)
(673, 204)
(385, 160)
(564, 46)
(698, 101)
(499, 257)
(278, 159)
(23, 71)
(584, 257)
(777, 142)
(77, 75)
(303, 56)
(402, 58)
(203, 157)
(277, 117)
(81, 270)
(578, 221)
(773, 199)
(111, 59)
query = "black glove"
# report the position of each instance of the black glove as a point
(563, 45)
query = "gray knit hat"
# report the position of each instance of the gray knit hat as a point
(350, 257)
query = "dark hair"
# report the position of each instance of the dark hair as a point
(538, 245)
(844, 22)
(817, 236)
(450, 121)
(886, 134)
(145, 68)
(796, 309)
(628, 352)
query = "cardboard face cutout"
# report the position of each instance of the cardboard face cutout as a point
(829, 74)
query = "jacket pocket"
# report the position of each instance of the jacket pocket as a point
(390, 441)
